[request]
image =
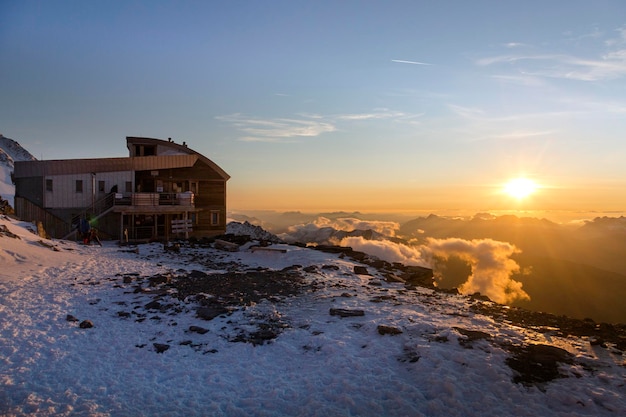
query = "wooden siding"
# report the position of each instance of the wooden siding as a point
(86, 166)
(30, 212)
(30, 188)
(64, 195)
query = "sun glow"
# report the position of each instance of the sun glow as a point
(520, 188)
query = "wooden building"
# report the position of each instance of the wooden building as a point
(161, 191)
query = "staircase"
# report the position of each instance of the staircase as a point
(93, 213)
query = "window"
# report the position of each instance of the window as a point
(215, 218)
(129, 186)
(48, 185)
(79, 186)
(101, 186)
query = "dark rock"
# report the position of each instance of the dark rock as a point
(210, 312)
(124, 314)
(153, 305)
(417, 275)
(537, 364)
(85, 324)
(69, 317)
(198, 329)
(471, 336)
(330, 267)
(393, 278)
(360, 270)
(383, 330)
(160, 347)
(197, 274)
(128, 280)
(159, 280)
(346, 313)
(479, 296)
(310, 269)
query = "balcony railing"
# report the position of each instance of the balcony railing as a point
(154, 199)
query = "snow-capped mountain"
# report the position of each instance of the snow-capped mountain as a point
(10, 151)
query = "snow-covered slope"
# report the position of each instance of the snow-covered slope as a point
(10, 151)
(337, 343)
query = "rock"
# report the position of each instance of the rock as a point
(153, 305)
(346, 313)
(479, 296)
(310, 269)
(85, 324)
(159, 279)
(210, 312)
(417, 275)
(361, 270)
(536, 364)
(4, 231)
(391, 278)
(69, 317)
(198, 329)
(471, 336)
(160, 347)
(383, 330)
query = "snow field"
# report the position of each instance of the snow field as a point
(320, 365)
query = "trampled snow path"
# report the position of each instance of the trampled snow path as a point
(319, 365)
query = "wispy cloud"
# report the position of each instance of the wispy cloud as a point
(607, 66)
(285, 130)
(402, 61)
(378, 114)
(278, 129)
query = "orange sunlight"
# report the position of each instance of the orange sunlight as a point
(520, 188)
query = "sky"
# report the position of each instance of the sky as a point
(326, 105)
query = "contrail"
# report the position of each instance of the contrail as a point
(409, 62)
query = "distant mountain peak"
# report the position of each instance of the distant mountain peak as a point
(14, 150)
(10, 151)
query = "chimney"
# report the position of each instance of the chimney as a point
(169, 139)
(185, 144)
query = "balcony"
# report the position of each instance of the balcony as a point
(146, 200)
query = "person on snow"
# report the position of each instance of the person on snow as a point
(85, 230)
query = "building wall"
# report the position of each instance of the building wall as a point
(64, 194)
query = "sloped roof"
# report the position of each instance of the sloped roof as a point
(182, 158)
(25, 169)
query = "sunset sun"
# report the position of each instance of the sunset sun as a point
(520, 188)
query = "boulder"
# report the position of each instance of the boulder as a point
(346, 313)
(390, 330)
(160, 347)
(85, 324)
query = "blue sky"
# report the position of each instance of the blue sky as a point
(334, 104)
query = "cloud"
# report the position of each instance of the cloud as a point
(378, 114)
(401, 61)
(490, 262)
(278, 129)
(491, 266)
(323, 229)
(349, 224)
(284, 130)
(389, 251)
(608, 66)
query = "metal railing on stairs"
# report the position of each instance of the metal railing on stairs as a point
(93, 212)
